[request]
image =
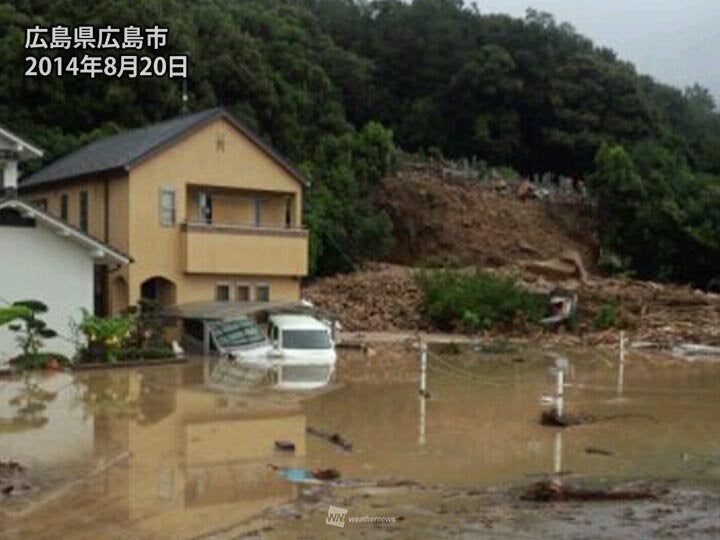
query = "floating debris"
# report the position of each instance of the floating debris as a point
(598, 451)
(13, 478)
(297, 474)
(553, 419)
(556, 491)
(285, 446)
(334, 438)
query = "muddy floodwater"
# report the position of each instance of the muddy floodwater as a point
(183, 451)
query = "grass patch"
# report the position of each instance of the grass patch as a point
(459, 300)
(607, 317)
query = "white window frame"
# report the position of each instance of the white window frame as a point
(173, 220)
(204, 201)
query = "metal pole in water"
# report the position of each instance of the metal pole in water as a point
(423, 368)
(557, 461)
(621, 366)
(560, 393)
(422, 421)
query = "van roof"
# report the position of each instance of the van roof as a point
(297, 322)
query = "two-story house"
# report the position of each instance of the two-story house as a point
(207, 210)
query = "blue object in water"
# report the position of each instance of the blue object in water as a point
(296, 475)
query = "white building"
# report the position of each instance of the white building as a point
(43, 258)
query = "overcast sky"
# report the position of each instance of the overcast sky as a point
(676, 41)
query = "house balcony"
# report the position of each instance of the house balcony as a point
(236, 231)
(244, 249)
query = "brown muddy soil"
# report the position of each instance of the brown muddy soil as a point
(385, 298)
(440, 218)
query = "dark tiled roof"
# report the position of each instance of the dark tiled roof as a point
(127, 148)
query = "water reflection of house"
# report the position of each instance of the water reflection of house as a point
(201, 464)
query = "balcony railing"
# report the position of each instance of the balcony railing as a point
(244, 228)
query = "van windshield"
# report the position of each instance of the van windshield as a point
(305, 339)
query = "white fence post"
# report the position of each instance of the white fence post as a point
(621, 366)
(423, 368)
(560, 393)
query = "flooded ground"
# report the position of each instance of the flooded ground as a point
(180, 452)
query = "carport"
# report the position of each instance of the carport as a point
(207, 313)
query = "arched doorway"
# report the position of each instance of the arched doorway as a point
(161, 290)
(120, 300)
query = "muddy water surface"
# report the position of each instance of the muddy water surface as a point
(175, 452)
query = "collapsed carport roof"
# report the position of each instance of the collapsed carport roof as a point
(223, 311)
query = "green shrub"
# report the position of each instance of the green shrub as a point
(476, 300)
(106, 336)
(12, 313)
(606, 318)
(31, 330)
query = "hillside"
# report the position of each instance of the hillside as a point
(443, 217)
(336, 85)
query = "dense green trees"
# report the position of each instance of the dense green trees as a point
(328, 81)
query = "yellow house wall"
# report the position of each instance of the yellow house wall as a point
(202, 287)
(117, 235)
(259, 254)
(196, 160)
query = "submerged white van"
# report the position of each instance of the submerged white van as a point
(305, 348)
(298, 348)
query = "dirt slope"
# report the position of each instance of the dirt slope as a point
(441, 218)
(444, 219)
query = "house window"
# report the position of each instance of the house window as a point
(167, 207)
(257, 213)
(64, 207)
(205, 213)
(84, 211)
(243, 293)
(262, 293)
(288, 214)
(222, 292)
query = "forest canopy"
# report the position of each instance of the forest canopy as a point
(336, 85)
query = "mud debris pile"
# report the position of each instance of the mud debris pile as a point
(379, 297)
(384, 298)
